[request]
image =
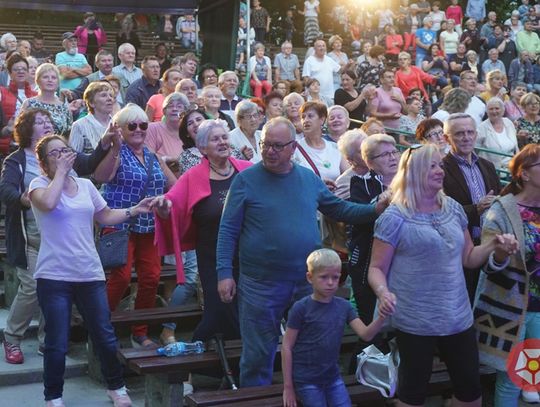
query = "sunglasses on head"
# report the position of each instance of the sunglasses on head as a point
(133, 126)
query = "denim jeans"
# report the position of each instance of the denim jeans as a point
(56, 299)
(316, 395)
(261, 306)
(183, 292)
(506, 392)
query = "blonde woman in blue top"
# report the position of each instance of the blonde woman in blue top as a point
(421, 244)
(124, 187)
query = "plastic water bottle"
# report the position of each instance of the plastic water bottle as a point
(181, 348)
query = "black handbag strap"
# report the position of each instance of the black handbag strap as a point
(308, 159)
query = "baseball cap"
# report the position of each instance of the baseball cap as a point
(67, 36)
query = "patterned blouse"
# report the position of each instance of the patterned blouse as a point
(368, 74)
(126, 188)
(532, 128)
(61, 116)
(531, 228)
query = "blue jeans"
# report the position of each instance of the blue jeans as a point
(317, 395)
(183, 292)
(261, 306)
(56, 299)
(506, 392)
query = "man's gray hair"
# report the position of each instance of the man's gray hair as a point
(276, 122)
(123, 47)
(457, 116)
(223, 75)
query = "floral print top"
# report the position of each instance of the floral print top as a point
(531, 228)
(60, 114)
(368, 74)
(532, 128)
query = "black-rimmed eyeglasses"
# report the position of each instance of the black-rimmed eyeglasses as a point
(276, 146)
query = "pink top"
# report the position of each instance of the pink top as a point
(455, 13)
(161, 142)
(81, 32)
(384, 103)
(177, 233)
(156, 103)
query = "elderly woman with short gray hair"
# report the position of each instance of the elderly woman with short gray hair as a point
(246, 137)
(349, 146)
(455, 101)
(162, 136)
(497, 133)
(193, 208)
(381, 156)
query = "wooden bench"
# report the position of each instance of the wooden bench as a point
(271, 396)
(186, 315)
(164, 376)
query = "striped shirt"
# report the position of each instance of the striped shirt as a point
(475, 183)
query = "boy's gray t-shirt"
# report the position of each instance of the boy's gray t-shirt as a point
(316, 351)
(426, 273)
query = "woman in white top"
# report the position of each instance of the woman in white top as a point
(449, 39)
(246, 137)
(497, 133)
(68, 269)
(313, 151)
(87, 132)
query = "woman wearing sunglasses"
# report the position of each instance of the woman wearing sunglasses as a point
(68, 270)
(138, 173)
(422, 241)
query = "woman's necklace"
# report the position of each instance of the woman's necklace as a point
(229, 170)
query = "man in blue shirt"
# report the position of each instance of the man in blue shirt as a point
(493, 63)
(142, 89)
(72, 65)
(425, 36)
(271, 215)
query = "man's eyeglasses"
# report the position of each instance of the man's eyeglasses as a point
(19, 70)
(57, 152)
(276, 146)
(133, 126)
(386, 154)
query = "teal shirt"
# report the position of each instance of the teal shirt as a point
(273, 220)
(71, 61)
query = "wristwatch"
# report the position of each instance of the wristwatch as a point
(128, 213)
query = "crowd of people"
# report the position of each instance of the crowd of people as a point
(372, 156)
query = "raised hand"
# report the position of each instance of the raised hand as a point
(64, 163)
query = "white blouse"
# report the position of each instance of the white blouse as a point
(504, 142)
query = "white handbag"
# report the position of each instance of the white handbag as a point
(378, 370)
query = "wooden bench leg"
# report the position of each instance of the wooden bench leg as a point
(160, 392)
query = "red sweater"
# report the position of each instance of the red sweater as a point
(416, 78)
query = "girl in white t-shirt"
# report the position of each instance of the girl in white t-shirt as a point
(68, 269)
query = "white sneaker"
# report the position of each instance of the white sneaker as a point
(119, 397)
(530, 397)
(55, 403)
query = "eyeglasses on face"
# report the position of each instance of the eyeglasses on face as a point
(386, 155)
(41, 122)
(251, 116)
(57, 152)
(133, 126)
(276, 146)
(435, 134)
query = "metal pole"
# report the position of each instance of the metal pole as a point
(245, 89)
(197, 32)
